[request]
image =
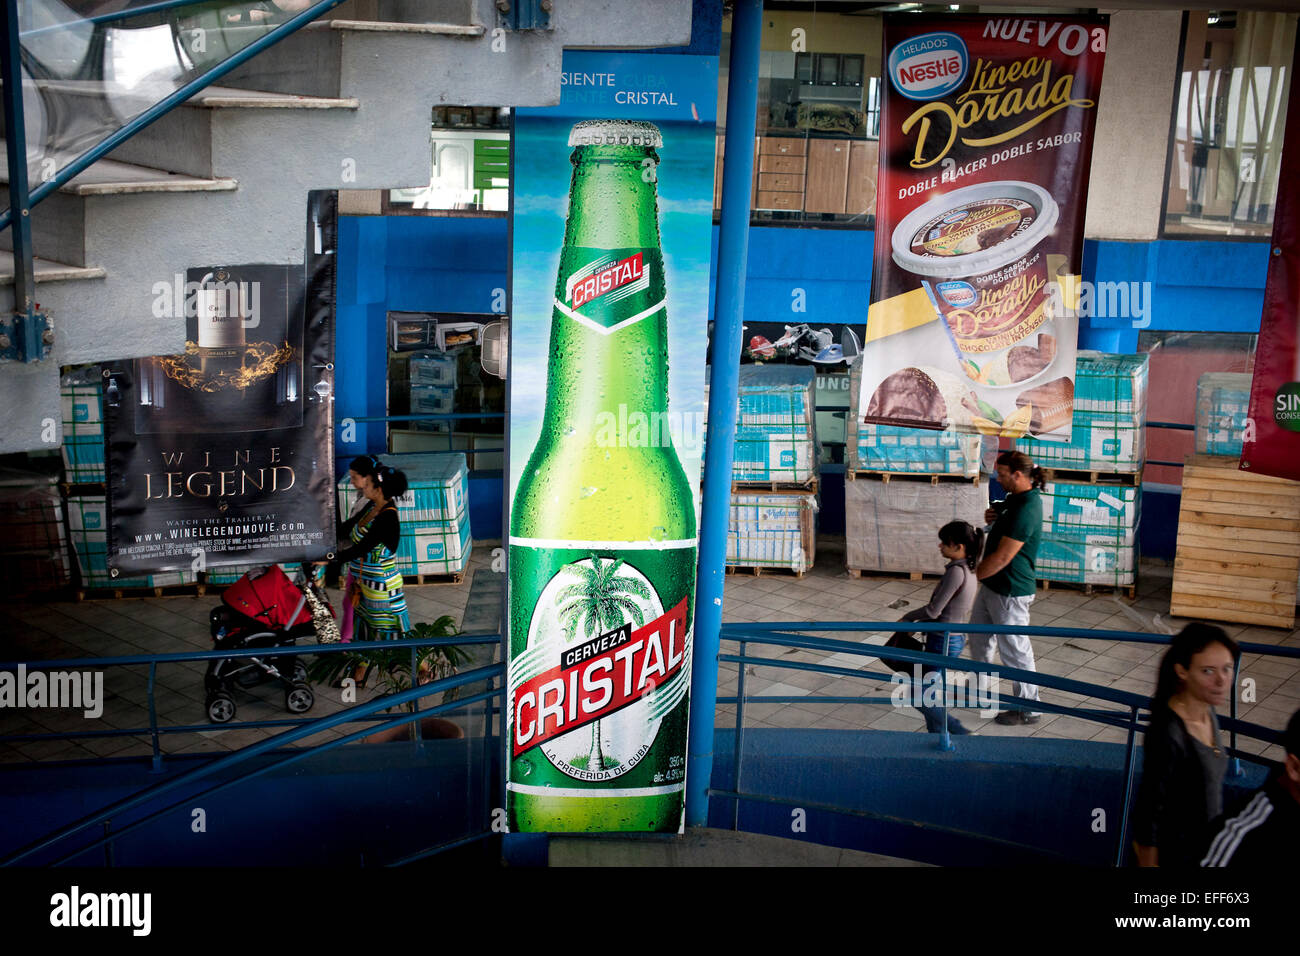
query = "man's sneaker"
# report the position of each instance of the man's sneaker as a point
(1010, 718)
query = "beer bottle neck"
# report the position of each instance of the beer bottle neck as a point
(612, 200)
(608, 336)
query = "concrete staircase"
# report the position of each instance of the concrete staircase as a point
(342, 104)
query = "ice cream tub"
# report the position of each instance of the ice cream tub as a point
(980, 254)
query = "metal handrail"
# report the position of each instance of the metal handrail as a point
(165, 105)
(779, 634)
(489, 672)
(153, 660)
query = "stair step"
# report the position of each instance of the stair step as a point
(227, 97)
(109, 177)
(212, 97)
(378, 26)
(47, 270)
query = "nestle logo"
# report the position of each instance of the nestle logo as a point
(928, 67)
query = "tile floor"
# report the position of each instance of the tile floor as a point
(132, 626)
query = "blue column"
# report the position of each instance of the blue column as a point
(724, 357)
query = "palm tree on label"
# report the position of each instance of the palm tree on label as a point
(600, 602)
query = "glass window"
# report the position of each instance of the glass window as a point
(470, 164)
(1228, 125)
(1177, 361)
(818, 118)
(436, 367)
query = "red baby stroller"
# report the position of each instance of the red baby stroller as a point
(263, 609)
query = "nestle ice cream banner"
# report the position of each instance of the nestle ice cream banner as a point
(986, 140)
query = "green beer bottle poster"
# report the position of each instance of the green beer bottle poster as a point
(611, 242)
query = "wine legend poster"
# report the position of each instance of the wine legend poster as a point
(223, 454)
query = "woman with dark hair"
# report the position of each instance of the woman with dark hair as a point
(1183, 759)
(373, 533)
(951, 601)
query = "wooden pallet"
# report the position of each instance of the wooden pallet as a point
(417, 580)
(1124, 479)
(856, 573)
(1128, 590)
(759, 571)
(754, 487)
(887, 476)
(169, 590)
(1238, 545)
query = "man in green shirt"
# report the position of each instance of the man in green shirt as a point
(1007, 575)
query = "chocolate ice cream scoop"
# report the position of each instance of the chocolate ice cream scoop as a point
(1026, 361)
(908, 397)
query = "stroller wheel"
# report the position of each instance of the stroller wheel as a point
(221, 707)
(299, 672)
(299, 699)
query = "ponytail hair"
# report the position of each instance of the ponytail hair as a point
(365, 465)
(1021, 462)
(971, 538)
(1188, 642)
(391, 481)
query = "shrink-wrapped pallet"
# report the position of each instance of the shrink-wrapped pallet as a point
(776, 426)
(33, 556)
(433, 513)
(1222, 407)
(88, 535)
(899, 450)
(772, 530)
(1108, 426)
(894, 525)
(82, 403)
(1090, 534)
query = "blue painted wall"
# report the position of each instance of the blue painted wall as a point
(374, 802)
(421, 263)
(410, 264)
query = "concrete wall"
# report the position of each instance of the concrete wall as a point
(1136, 106)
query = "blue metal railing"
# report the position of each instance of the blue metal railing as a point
(490, 673)
(155, 732)
(785, 635)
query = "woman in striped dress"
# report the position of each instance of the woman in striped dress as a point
(373, 533)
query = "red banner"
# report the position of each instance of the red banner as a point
(595, 679)
(985, 146)
(1271, 443)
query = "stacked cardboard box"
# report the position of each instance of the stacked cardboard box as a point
(894, 525)
(1222, 407)
(1108, 431)
(897, 450)
(776, 446)
(776, 426)
(1090, 533)
(1090, 528)
(434, 513)
(33, 553)
(772, 529)
(88, 535)
(83, 427)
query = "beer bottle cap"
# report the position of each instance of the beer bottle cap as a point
(615, 133)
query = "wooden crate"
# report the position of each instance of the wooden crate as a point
(1238, 545)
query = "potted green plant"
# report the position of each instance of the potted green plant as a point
(390, 668)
